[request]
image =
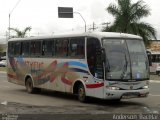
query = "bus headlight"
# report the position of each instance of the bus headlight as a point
(145, 87)
(113, 88)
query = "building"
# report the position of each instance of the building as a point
(154, 46)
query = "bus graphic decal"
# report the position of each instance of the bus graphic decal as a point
(66, 70)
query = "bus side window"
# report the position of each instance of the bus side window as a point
(17, 48)
(35, 48)
(48, 48)
(77, 48)
(10, 48)
(25, 48)
(61, 47)
(94, 59)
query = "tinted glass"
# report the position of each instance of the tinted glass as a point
(17, 48)
(61, 47)
(35, 48)
(77, 47)
(48, 47)
(25, 48)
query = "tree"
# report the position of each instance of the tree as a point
(20, 33)
(127, 19)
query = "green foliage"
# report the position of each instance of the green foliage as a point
(20, 33)
(127, 19)
(1, 49)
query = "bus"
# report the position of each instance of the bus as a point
(102, 65)
(155, 60)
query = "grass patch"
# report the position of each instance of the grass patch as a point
(3, 69)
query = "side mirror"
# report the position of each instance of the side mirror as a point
(101, 52)
(150, 61)
(149, 58)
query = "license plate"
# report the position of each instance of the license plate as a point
(130, 95)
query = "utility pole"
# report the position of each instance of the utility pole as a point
(107, 24)
(85, 27)
(10, 17)
(93, 27)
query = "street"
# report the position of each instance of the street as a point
(15, 100)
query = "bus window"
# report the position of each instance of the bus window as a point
(25, 48)
(17, 48)
(77, 48)
(94, 59)
(35, 48)
(61, 48)
(48, 48)
(10, 49)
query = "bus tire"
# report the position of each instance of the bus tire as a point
(81, 93)
(29, 86)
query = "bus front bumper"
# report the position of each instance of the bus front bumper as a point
(126, 94)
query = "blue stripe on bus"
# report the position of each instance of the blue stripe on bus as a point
(77, 64)
(78, 70)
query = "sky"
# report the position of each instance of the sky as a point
(42, 16)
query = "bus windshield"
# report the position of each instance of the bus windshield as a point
(125, 59)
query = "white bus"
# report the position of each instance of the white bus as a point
(101, 65)
(155, 59)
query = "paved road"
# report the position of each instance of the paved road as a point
(15, 99)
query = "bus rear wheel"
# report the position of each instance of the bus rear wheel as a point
(29, 86)
(81, 93)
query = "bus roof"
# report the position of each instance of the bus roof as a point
(89, 34)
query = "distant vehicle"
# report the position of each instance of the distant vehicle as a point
(3, 58)
(155, 60)
(101, 65)
(3, 63)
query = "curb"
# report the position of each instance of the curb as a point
(3, 72)
(154, 81)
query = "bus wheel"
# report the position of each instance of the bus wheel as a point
(81, 93)
(29, 86)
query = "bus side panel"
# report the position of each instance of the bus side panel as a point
(77, 71)
(53, 70)
(60, 74)
(95, 87)
(17, 70)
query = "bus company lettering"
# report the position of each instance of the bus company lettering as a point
(34, 64)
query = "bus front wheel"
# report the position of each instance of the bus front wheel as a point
(81, 93)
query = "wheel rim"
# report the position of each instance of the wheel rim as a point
(29, 86)
(81, 94)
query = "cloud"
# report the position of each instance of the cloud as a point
(97, 11)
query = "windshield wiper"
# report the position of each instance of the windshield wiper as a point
(124, 68)
(108, 65)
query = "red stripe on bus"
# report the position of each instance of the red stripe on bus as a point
(12, 76)
(95, 85)
(64, 80)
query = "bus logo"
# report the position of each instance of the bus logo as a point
(131, 87)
